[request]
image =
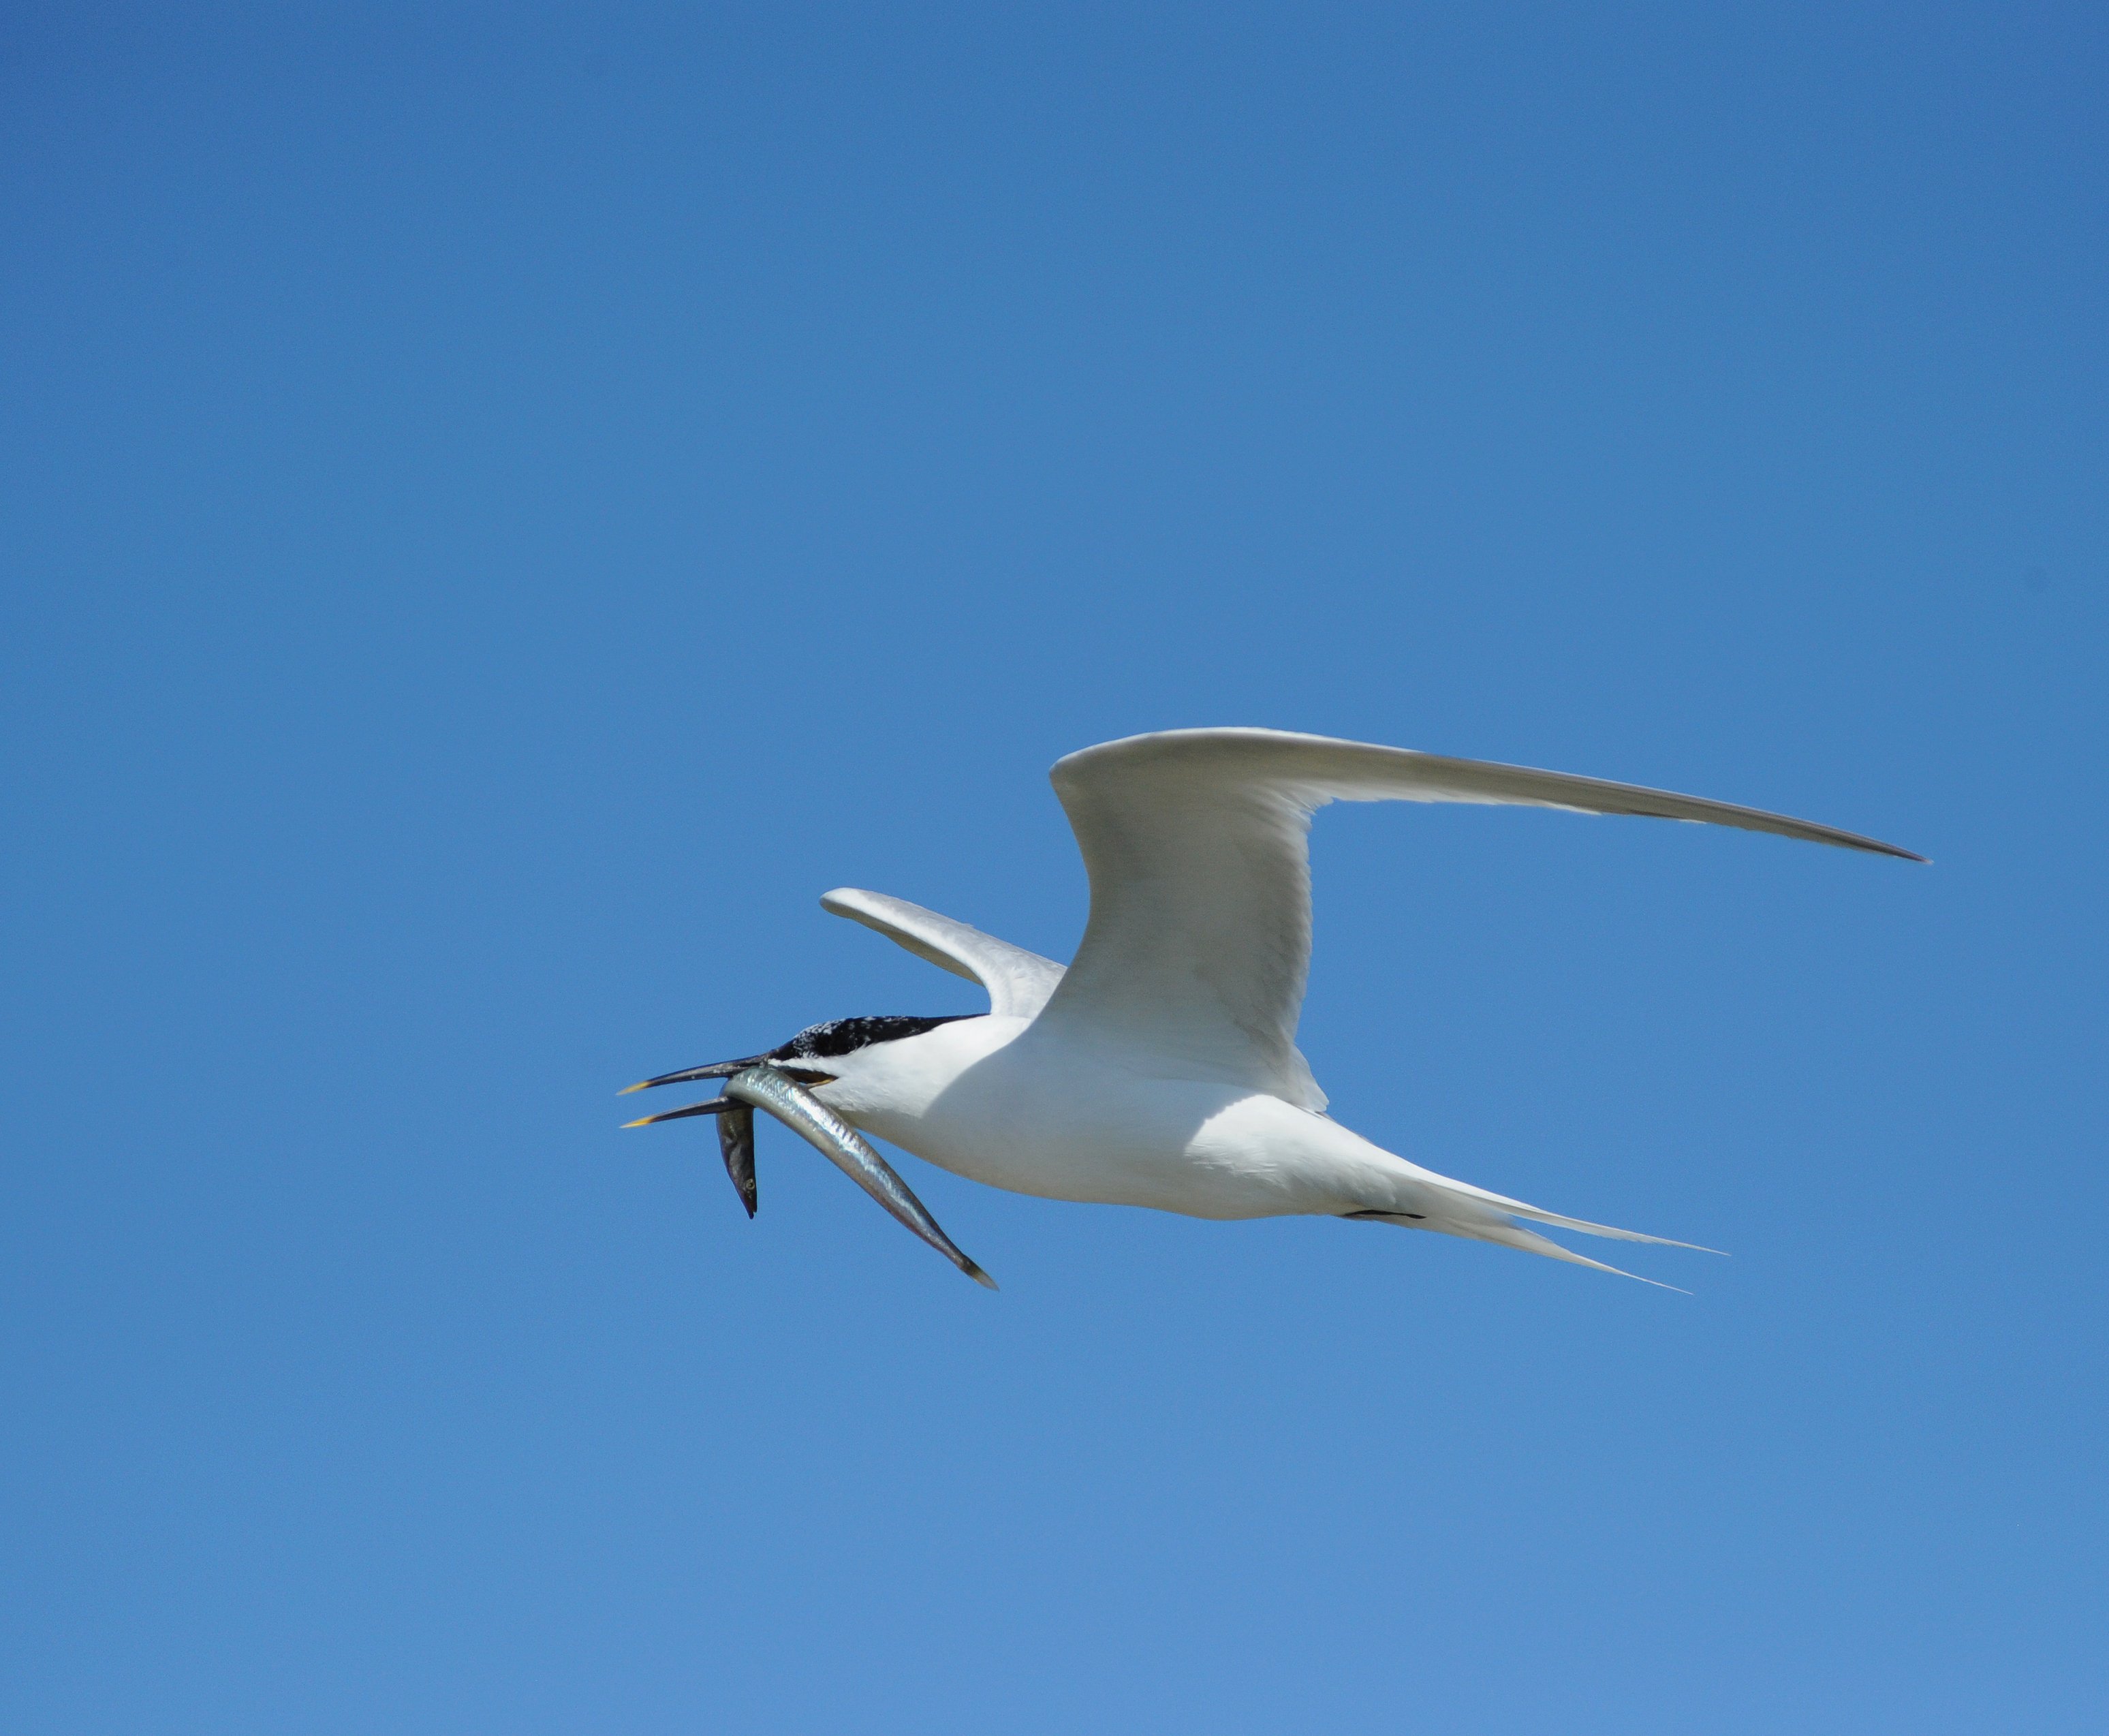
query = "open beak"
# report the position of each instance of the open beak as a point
(752, 1085)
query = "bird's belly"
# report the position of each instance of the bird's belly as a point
(1203, 1149)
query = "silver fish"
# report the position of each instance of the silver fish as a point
(848, 1149)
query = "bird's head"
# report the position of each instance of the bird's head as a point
(806, 1058)
(782, 1081)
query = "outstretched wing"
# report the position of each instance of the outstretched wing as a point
(1018, 982)
(1196, 842)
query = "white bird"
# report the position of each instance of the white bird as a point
(1161, 1068)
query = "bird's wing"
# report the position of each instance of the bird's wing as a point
(1196, 842)
(1018, 982)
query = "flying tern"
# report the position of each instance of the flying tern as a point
(1160, 1068)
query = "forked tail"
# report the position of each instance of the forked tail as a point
(1458, 1208)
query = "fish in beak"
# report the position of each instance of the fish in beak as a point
(754, 1083)
(735, 1123)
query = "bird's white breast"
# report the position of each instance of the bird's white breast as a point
(1010, 1103)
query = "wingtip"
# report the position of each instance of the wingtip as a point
(1857, 841)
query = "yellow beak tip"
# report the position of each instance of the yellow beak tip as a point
(638, 1123)
(627, 1089)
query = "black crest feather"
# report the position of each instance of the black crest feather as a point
(846, 1036)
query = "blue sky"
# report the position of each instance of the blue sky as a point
(504, 507)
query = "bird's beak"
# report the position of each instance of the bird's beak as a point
(716, 1106)
(719, 1070)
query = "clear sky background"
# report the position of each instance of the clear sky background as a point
(501, 508)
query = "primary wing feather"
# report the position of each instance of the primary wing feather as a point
(1197, 845)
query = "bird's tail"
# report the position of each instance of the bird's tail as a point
(1459, 1209)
